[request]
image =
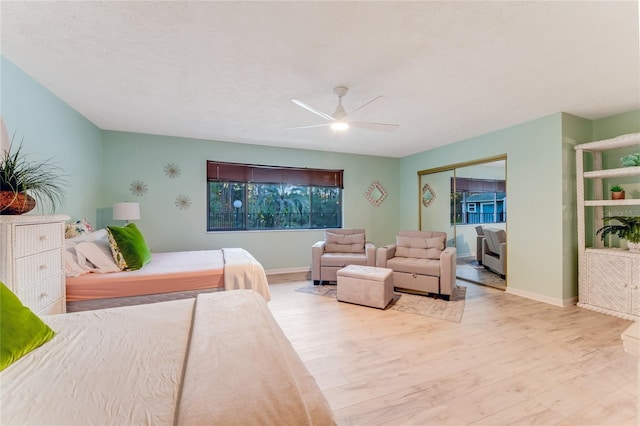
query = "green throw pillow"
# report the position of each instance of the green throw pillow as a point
(21, 331)
(129, 249)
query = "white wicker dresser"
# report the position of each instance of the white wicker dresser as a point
(31, 260)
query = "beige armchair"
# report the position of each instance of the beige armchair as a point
(421, 262)
(494, 251)
(340, 247)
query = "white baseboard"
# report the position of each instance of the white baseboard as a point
(287, 270)
(563, 303)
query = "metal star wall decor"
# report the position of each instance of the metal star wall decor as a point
(172, 170)
(138, 188)
(183, 202)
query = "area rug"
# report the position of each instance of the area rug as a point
(427, 306)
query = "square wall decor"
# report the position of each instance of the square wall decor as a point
(376, 193)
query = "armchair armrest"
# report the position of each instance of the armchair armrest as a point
(370, 251)
(503, 252)
(316, 253)
(448, 270)
(383, 254)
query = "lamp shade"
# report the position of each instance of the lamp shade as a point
(126, 211)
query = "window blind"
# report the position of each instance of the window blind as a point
(256, 173)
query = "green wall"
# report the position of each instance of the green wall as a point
(534, 208)
(130, 157)
(575, 130)
(541, 188)
(101, 165)
(50, 129)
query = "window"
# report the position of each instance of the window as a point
(475, 201)
(256, 197)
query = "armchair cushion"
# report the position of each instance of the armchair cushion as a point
(419, 247)
(343, 243)
(415, 265)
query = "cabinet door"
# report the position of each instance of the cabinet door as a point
(607, 281)
(635, 286)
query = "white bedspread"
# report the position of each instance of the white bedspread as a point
(119, 366)
(219, 359)
(243, 271)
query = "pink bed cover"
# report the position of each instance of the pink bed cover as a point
(167, 272)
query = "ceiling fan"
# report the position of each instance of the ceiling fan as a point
(338, 121)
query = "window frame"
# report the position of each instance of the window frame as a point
(270, 176)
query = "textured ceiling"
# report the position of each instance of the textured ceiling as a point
(228, 70)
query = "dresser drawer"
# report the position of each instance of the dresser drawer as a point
(43, 294)
(32, 269)
(58, 307)
(31, 239)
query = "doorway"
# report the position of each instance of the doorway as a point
(464, 199)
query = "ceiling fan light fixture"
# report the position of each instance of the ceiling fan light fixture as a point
(339, 126)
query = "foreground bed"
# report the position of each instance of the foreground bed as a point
(218, 359)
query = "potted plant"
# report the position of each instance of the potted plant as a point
(24, 182)
(617, 192)
(631, 160)
(629, 229)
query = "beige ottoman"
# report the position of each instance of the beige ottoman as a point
(365, 285)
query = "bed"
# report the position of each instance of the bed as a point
(219, 358)
(92, 273)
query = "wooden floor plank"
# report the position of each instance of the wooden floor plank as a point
(510, 361)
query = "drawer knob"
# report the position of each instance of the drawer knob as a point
(43, 267)
(43, 237)
(43, 295)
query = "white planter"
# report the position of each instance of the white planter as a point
(633, 247)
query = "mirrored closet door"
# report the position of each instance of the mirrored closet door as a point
(469, 202)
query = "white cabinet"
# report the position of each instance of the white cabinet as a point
(608, 278)
(31, 261)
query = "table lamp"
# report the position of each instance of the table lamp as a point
(126, 211)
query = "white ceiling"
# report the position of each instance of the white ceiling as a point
(228, 70)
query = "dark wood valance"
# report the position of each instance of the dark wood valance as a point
(478, 185)
(257, 173)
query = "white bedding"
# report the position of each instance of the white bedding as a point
(243, 271)
(118, 366)
(127, 366)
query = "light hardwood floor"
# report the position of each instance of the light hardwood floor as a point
(511, 361)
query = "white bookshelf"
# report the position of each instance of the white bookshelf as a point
(608, 278)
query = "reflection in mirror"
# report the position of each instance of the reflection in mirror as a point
(477, 201)
(376, 194)
(427, 195)
(434, 214)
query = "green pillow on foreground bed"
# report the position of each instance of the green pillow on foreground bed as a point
(130, 250)
(21, 331)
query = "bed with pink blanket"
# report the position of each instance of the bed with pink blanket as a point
(92, 274)
(217, 359)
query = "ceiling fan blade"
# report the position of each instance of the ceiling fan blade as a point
(312, 109)
(384, 127)
(367, 103)
(308, 127)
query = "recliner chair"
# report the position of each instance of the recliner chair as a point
(421, 262)
(494, 251)
(340, 247)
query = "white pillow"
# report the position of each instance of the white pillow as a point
(74, 266)
(96, 256)
(71, 266)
